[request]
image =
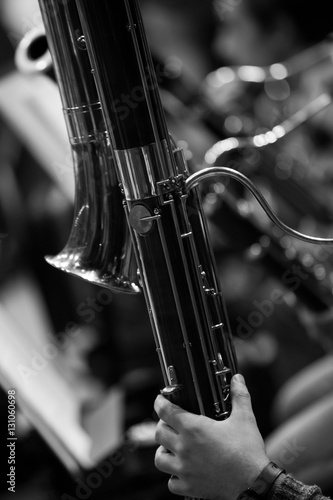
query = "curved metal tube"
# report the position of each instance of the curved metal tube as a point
(194, 179)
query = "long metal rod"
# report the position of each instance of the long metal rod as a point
(180, 314)
(193, 299)
(213, 347)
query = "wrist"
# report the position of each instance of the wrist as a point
(265, 485)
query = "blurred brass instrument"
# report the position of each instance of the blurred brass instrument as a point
(273, 72)
(271, 136)
(277, 82)
(234, 129)
(266, 157)
(264, 147)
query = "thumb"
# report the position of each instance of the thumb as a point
(240, 396)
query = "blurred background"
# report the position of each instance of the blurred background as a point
(246, 85)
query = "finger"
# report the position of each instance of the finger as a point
(240, 396)
(165, 461)
(170, 413)
(168, 463)
(166, 436)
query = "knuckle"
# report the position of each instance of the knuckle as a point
(157, 437)
(157, 458)
(178, 485)
(181, 449)
(158, 432)
(196, 426)
(182, 469)
(251, 418)
(160, 407)
(172, 485)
